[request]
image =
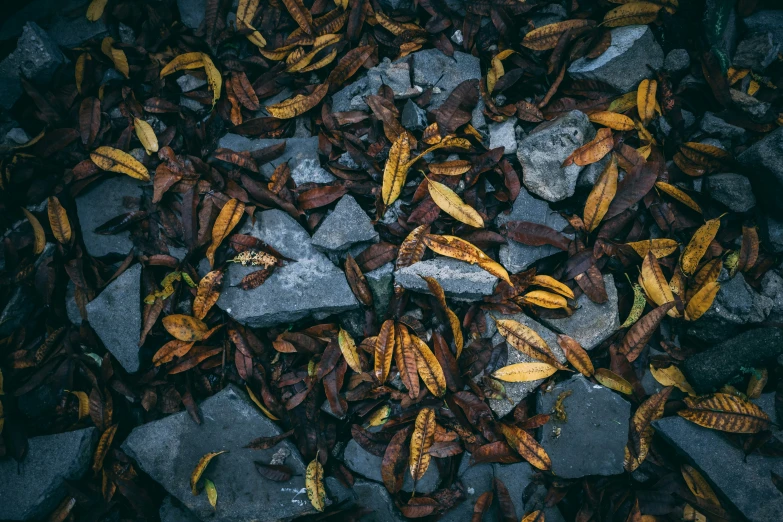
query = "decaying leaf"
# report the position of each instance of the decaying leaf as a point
(186, 328)
(701, 301)
(527, 447)
(314, 483)
(38, 231)
(58, 221)
(645, 100)
(299, 104)
(679, 195)
(637, 336)
(450, 202)
(699, 485)
(660, 247)
(698, 245)
(527, 341)
(672, 376)
(576, 355)
(457, 248)
(201, 466)
(228, 218)
(724, 412)
(454, 321)
(208, 293)
(634, 13)
(613, 120)
(613, 381)
(104, 443)
(522, 372)
(428, 367)
(594, 150)
(654, 283)
(421, 442)
(601, 196)
(348, 349)
(146, 136)
(384, 351)
(396, 169)
(546, 37)
(115, 160)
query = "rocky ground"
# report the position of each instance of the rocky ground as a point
(383, 260)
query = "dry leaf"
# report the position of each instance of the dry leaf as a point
(645, 100)
(421, 442)
(228, 218)
(384, 351)
(115, 160)
(95, 10)
(104, 443)
(601, 196)
(407, 361)
(450, 168)
(637, 336)
(527, 341)
(524, 372)
(396, 169)
(698, 245)
(660, 247)
(299, 104)
(635, 13)
(314, 482)
(613, 120)
(450, 202)
(348, 349)
(672, 376)
(724, 412)
(698, 485)
(58, 221)
(655, 285)
(208, 293)
(146, 136)
(170, 350)
(701, 301)
(428, 367)
(679, 195)
(527, 447)
(454, 322)
(38, 231)
(576, 355)
(613, 381)
(413, 247)
(200, 468)
(185, 327)
(212, 495)
(594, 150)
(452, 246)
(546, 37)
(117, 56)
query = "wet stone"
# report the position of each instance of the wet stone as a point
(748, 104)
(368, 465)
(347, 225)
(766, 20)
(73, 29)
(20, 306)
(381, 282)
(772, 287)
(101, 202)
(732, 190)
(460, 280)
(677, 61)
(714, 125)
(188, 82)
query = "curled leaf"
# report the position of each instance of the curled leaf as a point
(201, 466)
(115, 160)
(228, 218)
(58, 221)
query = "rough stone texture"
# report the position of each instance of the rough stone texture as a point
(677, 61)
(396, 75)
(661, 124)
(736, 305)
(373, 499)
(733, 190)
(188, 82)
(381, 282)
(756, 52)
(459, 279)
(300, 153)
(22, 303)
(710, 369)
(74, 29)
(743, 480)
(413, 117)
(115, 315)
(632, 57)
(590, 173)
(32, 488)
(749, 104)
(101, 202)
(592, 323)
(172, 511)
(475, 480)
(768, 20)
(592, 438)
(772, 232)
(517, 256)
(542, 152)
(191, 12)
(168, 450)
(772, 287)
(503, 135)
(347, 225)
(715, 126)
(360, 461)
(310, 285)
(763, 163)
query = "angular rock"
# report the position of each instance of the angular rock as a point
(381, 282)
(394, 74)
(632, 57)
(743, 480)
(372, 498)
(749, 104)
(732, 190)
(368, 465)
(32, 488)
(590, 173)
(172, 511)
(663, 127)
(543, 151)
(591, 323)
(503, 135)
(772, 287)
(763, 162)
(300, 153)
(191, 12)
(756, 52)
(460, 280)
(101, 202)
(73, 29)
(591, 439)
(677, 61)
(127, 35)
(413, 117)
(309, 285)
(475, 480)
(23, 302)
(191, 104)
(709, 370)
(168, 449)
(346, 226)
(770, 20)
(527, 497)
(188, 82)
(115, 315)
(715, 126)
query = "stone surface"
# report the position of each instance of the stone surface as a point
(191, 12)
(360, 461)
(21, 304)
(766, 20)
(677, 61)
(772, 287)
(115, 315)
(168, 450)
(748, 104)
(300, 153)
(756, 52)
(732, 190)
(475, 480)
(32, 488)
(632, 57)
(73, 29)
(372, 498)
(590, 173)
(709, 370)
(542, 152)
(172, 511)
(503, 135)
(515, 256)
(188, 82)
(717, 127)
(413, 117)
(396, 75)
(101, 202)
(592, 323)
(381, 282)
(743, 480)
(763, 163)
(309, 285)
(460, 280)
(591, 439)
(347, 225)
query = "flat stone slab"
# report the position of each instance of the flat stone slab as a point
(309, 285)
(32, 488)
(460, 280)
(368, 465)
(371, 497)
(347, 225)
(168, 450)
(98, 204)
(172, 511)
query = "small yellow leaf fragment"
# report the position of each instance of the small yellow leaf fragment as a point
(201, 466)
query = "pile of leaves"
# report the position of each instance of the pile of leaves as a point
(423, 369)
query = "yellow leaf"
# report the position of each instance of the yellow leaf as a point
(645, 100)
(546, 37)
(613, 120)
(185, 327)
(594, 150)
(457, 248)
(421, 442)
(258, 403)
(207, 294)
(576, 355)
(38, 231)
(115, 160)
(613, 381)
(672, 376)
(624, 103)
(523, 372)
(428, 367)
(553, 284)
(117, 56)
(698, 485)
(84, 403)
(601, 196)
(659, 247)
(314, 482)
(545, 299)
(182, 62)
(171, 349)
(724, 412)
(79, 70)
(348, 349)
(213, 77)
(104, 443)
(527, 447)
(451, 204)
(454, 322)
(146, 136)
(655, 285)
(211, 490)
(396, 169)
(58, 221)
(384, 351)
(228, 218)
(679, 195)
(201, 466)
(636, 13)
(701, 301)
(95, 10)
(299, 104)
(527, 341)
(698, 245)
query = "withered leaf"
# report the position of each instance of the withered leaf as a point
(724, 412)
(421, 441)
(452, 246)
(201, 466)
(384, 351)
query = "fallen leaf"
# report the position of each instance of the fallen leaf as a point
(384, 351)
(724, 412)
(660, 247)
(698, 245)
(635, 13)
(115, 160)
(701, 301)
(576, 355)
(452, 246)
(421, 442)
(645, 100)
(613, 381)
(672, 376)
(201, 466)
(228, 218)
(314, 482)
(396, 169)
(523, 372)
(527, 447)
(58, 221)
(299, 104)
(601, 196)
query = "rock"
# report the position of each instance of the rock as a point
(543, 151)
(115, 315)
(460, 280)
(709, 370)
(172, 511)
(591, 439)
(590, 173)
(756, 52)
(347, 225)
(749, 104)
(394, 74)
(592, 323)
(32, 488)
(526, 495)
(413, 117)
(101, 202)
(168, 449)
(191, 12)
(677, 61)
(373, 499)
(75, 30)
(715, 126)
(766, 21)
(632, 57)
(309, 285)
(457, 37)
(381, 282)
(395, 5)
(772, 287)
(18, 136)
(300, 153)
(664, 128)
(475, 481)
(743, 480)
(732, 190)
(736, 305)
(191, 104)
(503, 135)
(368, 465)
(23, 302)
(188, 82)
(516, 257)
(763, 162)
(127, 35)
(347, 161)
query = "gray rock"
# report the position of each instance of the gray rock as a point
(347, 225)
(168, 449)
(749, 104)
(172, 511)
(527, 497)
(18, 136)
(101, 202)
(413, 117)
(353, 322)
(115, 315)
(457, 37)
(396, 75)
(127, 35)
(32, 488)
(371, 497)
(715, 126)
(21, 304)
(515, 256)
(590, 173)
(772, 287)
(460, 280)
(310, 285)
(709, 370)
(191, 104)
(368, 465)
(662, 126)
(766, 21)
(74, 29)
(300, 153)
(756, 52)
(188, 82)
(677, 61)
(475, 481)
(381, 283)
(71, 308)
(592, 323)
(191, 12)
(395, 5)
(592, 438)
(36, 58)
(743, 480)
(632, 57)
(503, 135)
(543, 151)
(764, 162)
(732, 190)
(347, 161)
(111, 75)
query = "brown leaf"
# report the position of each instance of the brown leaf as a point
(749, 250)
(636, 13)
(349, 64)
(321, 196)
(593, 151)
(421, 441)
(58, 221)
(115, 160)
(527, 341)
(645, 100)
(456, 110)
(454, 321)
(384, 351)
(406, 360)
(375, 256)
(526, 446)
(89, 120)
(535, 234)
(701, 301)
(207, 294)
(275, 472)
(104, 443)
(724, 412)
(228, 218)
(428, 367)
(170, 350)
(546, 37)
(394, 461)
(639, 434)
(256, 278)
(654, 283)
(452, 246)
(357, 281)
(413, 247)
(637, 336)
(576, 355)
(201, 466)
(186, 328)
(601, 196)
(301, 16)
